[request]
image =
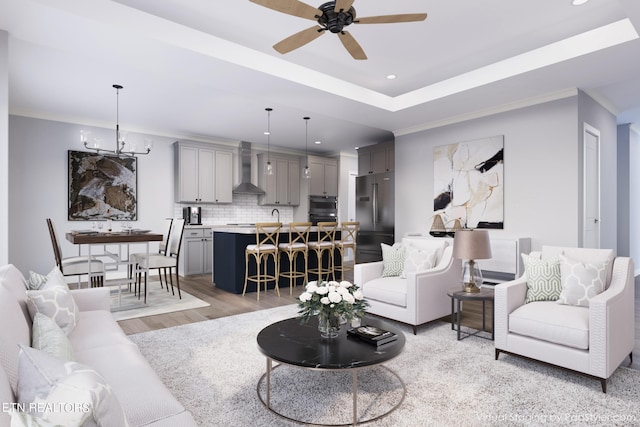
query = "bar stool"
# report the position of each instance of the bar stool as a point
(348, 233)
(298, 244)
(267, 234)
(325, 243)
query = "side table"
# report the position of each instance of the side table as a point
(458, 295)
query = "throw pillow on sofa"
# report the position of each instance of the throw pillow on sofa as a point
(417, 260)
(39, 281)
(57, 303)
(49, 337)
(581, 281)
(544, 281)
(392, 259)
(64, 393)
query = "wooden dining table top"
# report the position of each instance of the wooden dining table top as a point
(105, 237)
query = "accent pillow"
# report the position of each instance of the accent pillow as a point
(48, 337)
(581, 281)
(544, 282)
(39, 281)
(64, 393)
(392, 259)
(417, 260)
(56, 303)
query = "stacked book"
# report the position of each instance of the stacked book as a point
(372, 334)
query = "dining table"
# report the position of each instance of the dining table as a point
(122, 239)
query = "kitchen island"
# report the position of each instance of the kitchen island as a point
(229, 244)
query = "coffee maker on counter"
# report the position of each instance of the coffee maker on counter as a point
(192, 215)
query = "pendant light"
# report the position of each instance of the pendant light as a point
(269, 167)
(120, 139)
(307, 172)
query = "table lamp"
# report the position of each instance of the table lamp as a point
(470, 245)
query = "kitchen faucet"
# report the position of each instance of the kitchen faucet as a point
(276, 211)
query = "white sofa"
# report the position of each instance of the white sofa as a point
(592, 340)
(420, 297)
(98, 343)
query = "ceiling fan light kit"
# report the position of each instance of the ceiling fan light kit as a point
(332, 16)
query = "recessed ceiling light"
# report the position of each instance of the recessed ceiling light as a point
(391, 76)
(578, 2)
(318, 142)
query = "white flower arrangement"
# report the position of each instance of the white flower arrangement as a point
(332, 299)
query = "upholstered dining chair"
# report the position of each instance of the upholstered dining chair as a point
(267, 235)
(325, 244)
(163, 262)
(348, 233)
(297, 245)
(162, 249)
(78, 265)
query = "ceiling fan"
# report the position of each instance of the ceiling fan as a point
(331, 16)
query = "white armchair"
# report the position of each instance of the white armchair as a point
(420, 297)
(591, 340)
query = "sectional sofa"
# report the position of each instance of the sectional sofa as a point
(108, 382)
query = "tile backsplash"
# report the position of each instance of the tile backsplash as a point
(243, 209)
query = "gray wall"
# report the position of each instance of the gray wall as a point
(629, 192)
(543, 183)
(38, 190)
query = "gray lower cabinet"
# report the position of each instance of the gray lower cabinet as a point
(197, 252)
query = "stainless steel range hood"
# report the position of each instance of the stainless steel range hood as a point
(245, 186)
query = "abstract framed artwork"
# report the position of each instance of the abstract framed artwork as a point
(102, 187)
(469, 183)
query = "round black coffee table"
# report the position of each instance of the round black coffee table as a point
(291, 343)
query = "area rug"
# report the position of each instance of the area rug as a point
(213, 368)
(126, 305)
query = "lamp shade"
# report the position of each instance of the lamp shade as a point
(471, 244)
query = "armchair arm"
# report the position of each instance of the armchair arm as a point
(508, 297)
(612, 320)
(363, 273)
(92, 299)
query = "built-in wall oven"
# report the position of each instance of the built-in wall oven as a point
(323, 209)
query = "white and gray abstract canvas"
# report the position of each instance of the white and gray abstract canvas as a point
(469, 183)
(102, 187)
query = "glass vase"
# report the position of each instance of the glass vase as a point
(328, 325)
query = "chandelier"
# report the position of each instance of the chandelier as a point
(120, 139)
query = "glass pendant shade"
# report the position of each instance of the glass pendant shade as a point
(307, 172)
(268, 169)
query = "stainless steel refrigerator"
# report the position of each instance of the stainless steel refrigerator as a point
(375, 212)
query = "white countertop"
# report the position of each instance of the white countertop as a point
(246, 229)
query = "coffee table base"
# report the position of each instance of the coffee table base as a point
(266, 402)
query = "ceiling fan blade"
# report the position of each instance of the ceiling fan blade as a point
(298, 39)
(352, 45)
(389, 19)
(291, 7)
(343, 5)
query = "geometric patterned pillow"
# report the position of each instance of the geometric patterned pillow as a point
(39, 281)
(543, 279)
(56, 303)
(47, 336)
(581, 281)
(417, 260)
(392, 259)
(65, 393)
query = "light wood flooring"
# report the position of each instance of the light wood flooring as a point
(224, 303)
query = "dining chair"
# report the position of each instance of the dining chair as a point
(267, 235)
(348, 234)
(297, 245)
(163, 262)
(162, 249)
(78, 265)
(324, 244)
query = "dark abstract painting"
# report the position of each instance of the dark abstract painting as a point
(469, 183)
(102, 187)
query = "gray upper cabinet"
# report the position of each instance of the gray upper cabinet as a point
(324, 176)
(283, 187)
(203, 174)
(376, 158)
